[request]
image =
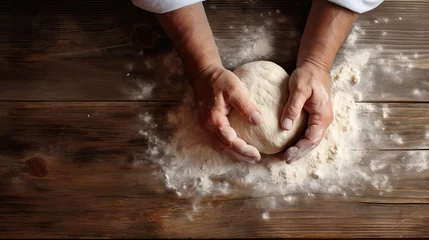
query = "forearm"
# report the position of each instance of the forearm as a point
(326, 29)
(191, 35)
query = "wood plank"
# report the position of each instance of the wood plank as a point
(395, 125)
(88, 185)
(54, 54)
(76, 200)
(140, 217)
(28, 126)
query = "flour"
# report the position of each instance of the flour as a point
(191, 168)
(416, 92)
(144, 92)
(377, 165)
(265, 215)
(255, 43)
(166, 67)
(416, 161)
(385, 111)
(396, 139)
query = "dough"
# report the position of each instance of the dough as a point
(266, 84)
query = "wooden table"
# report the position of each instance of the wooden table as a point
(69, 121)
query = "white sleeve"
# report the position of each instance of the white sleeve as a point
(359, 6)
(163, 6)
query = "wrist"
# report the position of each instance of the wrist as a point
(314, 63)
(196, 67)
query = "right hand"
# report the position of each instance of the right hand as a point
(218, 90)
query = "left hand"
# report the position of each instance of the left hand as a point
(309, 88)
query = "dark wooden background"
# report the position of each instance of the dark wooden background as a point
(69, 122)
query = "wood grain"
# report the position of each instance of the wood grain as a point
(52, 54)
(77, 77)
(26, 125)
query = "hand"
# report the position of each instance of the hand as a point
(309, 88)
(218, 90)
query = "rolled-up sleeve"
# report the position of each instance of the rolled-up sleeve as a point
(359, 6)
(163, 6)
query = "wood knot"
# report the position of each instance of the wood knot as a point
(36, 167)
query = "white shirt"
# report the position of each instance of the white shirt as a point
(163, 6)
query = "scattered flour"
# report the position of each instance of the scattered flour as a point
(417, 161)
(290, 199)
(152, 69)
(266, 216)
(378, 124)
(145, 91)
(396, 138)
(377, 165)
(193, 169)
(255, 43)
(385, 111)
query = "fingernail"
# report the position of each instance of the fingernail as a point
(289, 159)
(286, 123)
(256, 118)
(253, 154)
(291, 154)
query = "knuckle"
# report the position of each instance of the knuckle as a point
(293, 110)
(234, 92)
(300, 90)
(244, 105)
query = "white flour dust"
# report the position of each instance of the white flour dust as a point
(255, 43)
(414, 161)
(166, 67)
(193, 169)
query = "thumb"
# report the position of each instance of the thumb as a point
(238, 99)
(293, 108)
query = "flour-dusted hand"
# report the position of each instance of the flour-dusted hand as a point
(218, 90)
(309, 89)
(309, 86)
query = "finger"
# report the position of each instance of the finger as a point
(231, 153)
(242, 148)
(238, 99)
(228, 136)
(237, 157)
(293, 108)
(312, 138)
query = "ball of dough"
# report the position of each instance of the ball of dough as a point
(266, 84)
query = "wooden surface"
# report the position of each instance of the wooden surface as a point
(69, 122)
